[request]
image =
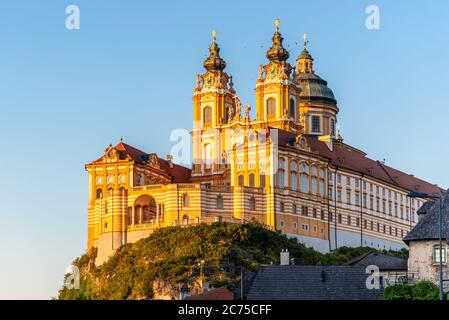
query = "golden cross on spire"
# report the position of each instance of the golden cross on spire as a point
(214, 35)
(276, 23)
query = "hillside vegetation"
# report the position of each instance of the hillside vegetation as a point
(155, 266)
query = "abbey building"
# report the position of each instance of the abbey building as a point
(288, 168)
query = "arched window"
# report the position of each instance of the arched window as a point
(207, 116)
(251, 180)
(304, 179)
(252, 203)
(321, 187)
(219, 201)
(271, 107)
(185, 200)
(280, 175)
(293, 175)
(293, 180)
(292, 108)
(185, 219)
(241, 180)
(99, 193)
(314, 185)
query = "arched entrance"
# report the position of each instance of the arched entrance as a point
(145, 210)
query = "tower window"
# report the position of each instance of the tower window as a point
(207, 116)
(332, 127)
(292, 108)
(99, 193)
(271, 107)
(316, 122)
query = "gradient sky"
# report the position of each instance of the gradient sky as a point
(130, 71)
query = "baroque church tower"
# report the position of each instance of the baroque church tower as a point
(277, 94)
(214, 104)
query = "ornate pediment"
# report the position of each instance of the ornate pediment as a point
(153, 161)
(111, 154)
(301, 143)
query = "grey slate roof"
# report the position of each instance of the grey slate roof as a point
(385, 262)
(296, 282)
(428, 227)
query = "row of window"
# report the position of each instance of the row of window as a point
(380, 191)
(304, 226)
(219, 202)
(370, 225)
(381, 206)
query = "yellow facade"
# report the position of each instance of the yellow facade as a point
(268, 169)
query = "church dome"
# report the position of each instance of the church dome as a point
(315, 89)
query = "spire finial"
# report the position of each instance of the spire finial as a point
(305, 40)
(214, 35)
(121, 139)
(276, 23)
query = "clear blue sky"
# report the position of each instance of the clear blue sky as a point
(130, 71)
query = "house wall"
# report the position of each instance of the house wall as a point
(420, 262)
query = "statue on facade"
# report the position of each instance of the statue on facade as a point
(247, 110)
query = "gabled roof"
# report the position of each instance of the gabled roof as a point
(347, 157)
(428, 227)
(178, 173)
(221, 293)
(383, 261)
(296, 282)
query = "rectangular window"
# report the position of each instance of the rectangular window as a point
(436, 254)
(304, 210)
(322, 215)
(348, 197)
(365, 224)
(330, 217)
(305, 227)
(294, 225)
(314, 213)
(349, 220)
(281, 207)
(357, 222)
(357, 199)
(294, 208)
(339, 195)
(339, 218)
(316, 124)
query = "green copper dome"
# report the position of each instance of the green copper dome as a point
(315, 89)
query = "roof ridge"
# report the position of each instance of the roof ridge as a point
(387, 173)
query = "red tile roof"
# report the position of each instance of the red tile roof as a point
(221, 293)
(347, 157)
(178, 173)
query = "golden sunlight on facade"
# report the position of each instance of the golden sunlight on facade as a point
(288, 168)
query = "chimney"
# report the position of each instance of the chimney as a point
(285, 258)
(170, 160)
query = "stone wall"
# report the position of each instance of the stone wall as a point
(420, 262)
